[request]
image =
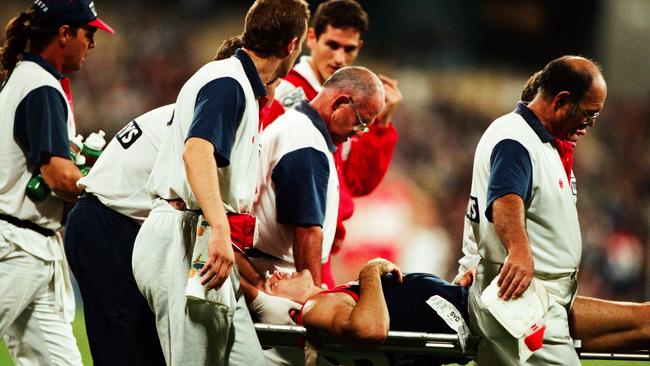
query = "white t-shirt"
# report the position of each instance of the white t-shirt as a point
(551, 216)
(15, 173)
(119, 176)
(237, 180)
(298, 182)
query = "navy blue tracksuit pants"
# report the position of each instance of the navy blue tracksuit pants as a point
(120, 325)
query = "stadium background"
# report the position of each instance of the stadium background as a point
(460, 64)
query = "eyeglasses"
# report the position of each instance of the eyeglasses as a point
(361, 126)
(590, 118)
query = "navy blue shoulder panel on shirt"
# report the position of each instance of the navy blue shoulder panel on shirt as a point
(40, 125)
(511, 172)
(218, 112)
(301, 179)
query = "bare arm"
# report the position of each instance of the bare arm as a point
(363, 323)
(307, 250)
(61, 175)
(609, 326)
(249, 277)
(201, 170)
(517, 272)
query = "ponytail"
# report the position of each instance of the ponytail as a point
(22, 33)
(228, 47)
(17, 35)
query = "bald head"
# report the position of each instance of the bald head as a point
(571, 93)
(573, 74)
(362, 84)
(350, 101)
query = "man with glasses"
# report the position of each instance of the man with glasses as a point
(297, 199)
(600, 325)
(522, 209)
(362, 126)
(335, 39)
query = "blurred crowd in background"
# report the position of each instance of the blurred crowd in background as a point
(460, 64)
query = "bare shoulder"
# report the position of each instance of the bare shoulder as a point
(322, 310)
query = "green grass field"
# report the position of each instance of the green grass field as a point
(79, 329)
(80, 332)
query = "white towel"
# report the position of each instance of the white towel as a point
(523, 317)
(194, 290)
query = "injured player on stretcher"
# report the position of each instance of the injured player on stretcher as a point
(361, 313)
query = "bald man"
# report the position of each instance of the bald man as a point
(297, 199)
(522, 209)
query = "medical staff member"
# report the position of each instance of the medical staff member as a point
(99, 237)
(297, 202)
(208, 161)
(37, 303)
(334, 40)
(522, 209)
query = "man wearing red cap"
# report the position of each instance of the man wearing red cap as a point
(37, 303)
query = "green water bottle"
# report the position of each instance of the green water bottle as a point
(37, 190)
(93, 146)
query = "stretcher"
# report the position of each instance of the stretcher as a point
(404, 344)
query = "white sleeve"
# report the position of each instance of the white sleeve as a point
(470, 257)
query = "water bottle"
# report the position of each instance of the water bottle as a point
(93, 146)
(80, 162)
(37, 190)
(76, 145)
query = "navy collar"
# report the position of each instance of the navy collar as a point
(42, 63)
(534, 122)
(251, 73)
(315, 118)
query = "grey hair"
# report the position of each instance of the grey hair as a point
(359, 81)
